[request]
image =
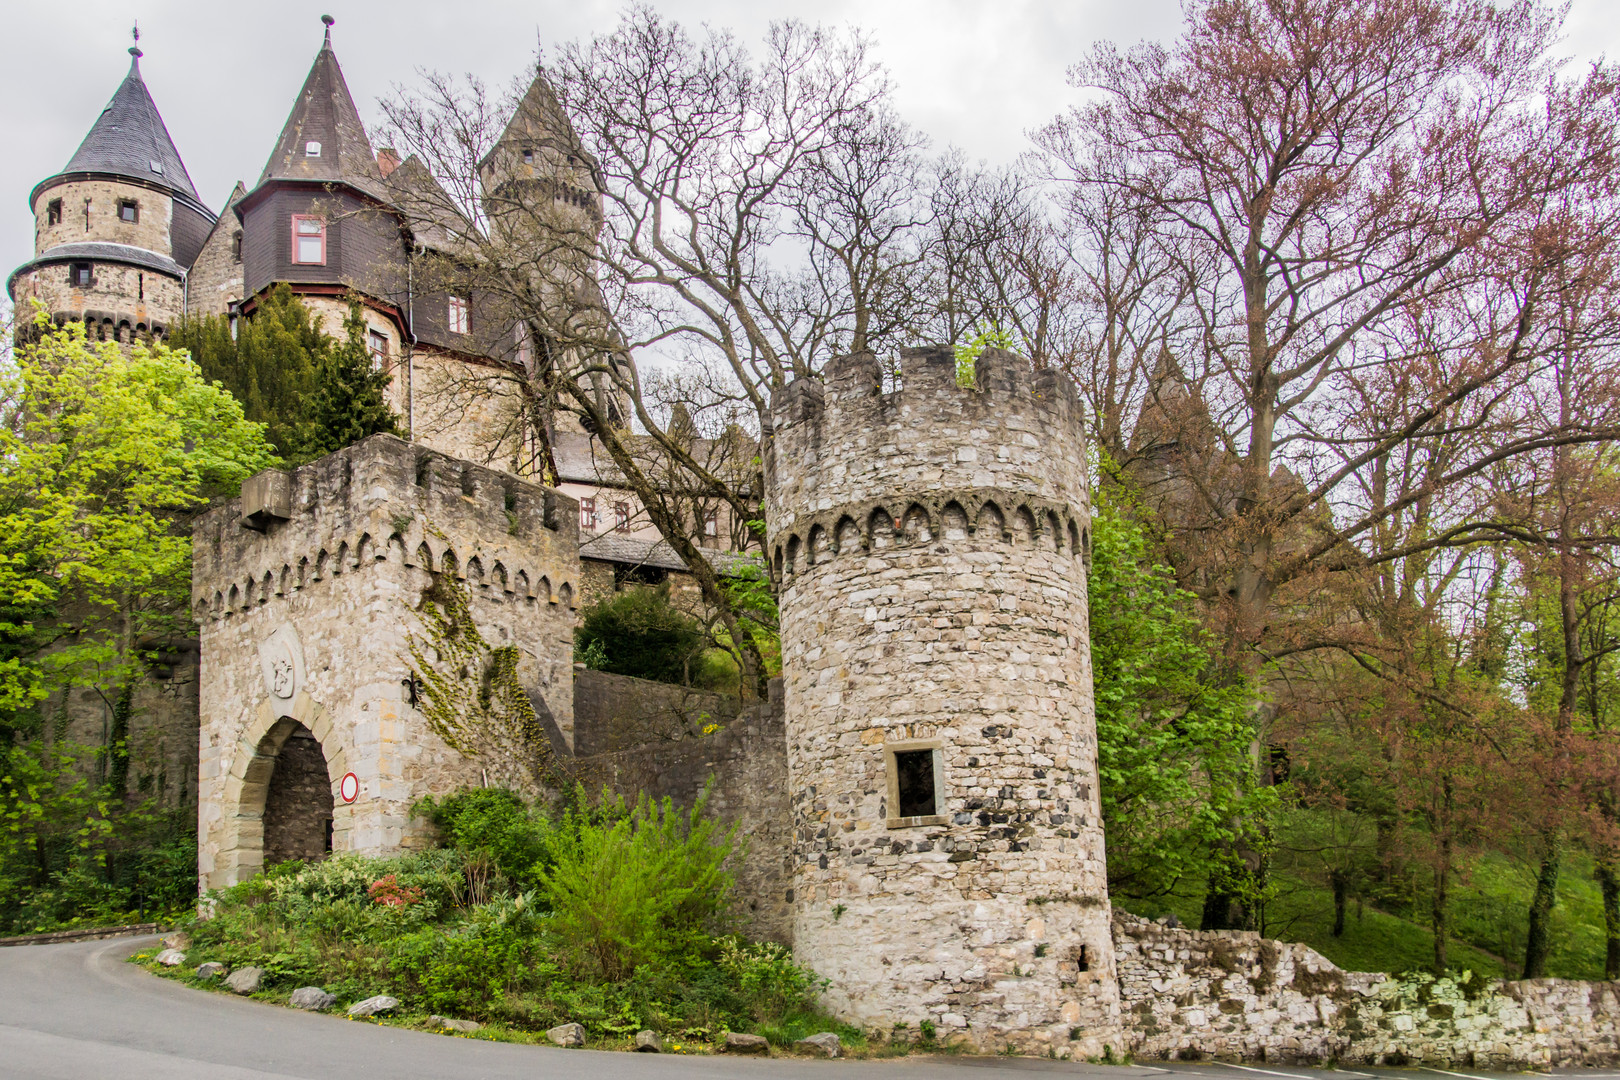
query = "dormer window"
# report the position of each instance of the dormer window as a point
(460, 315)
(309, 240)
(128, 211)
(156, 166)
(53, 212)
(312, 149)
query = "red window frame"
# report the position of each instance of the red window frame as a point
(621, 517)
(297, 219)
(587, 514)
(460, 315)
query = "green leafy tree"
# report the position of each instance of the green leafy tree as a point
(105, 455)
(268, 363)
(349, 399)
(1173, 738)
(639, 632)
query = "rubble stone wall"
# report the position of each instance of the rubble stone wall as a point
(746, 762)
(931, 543)
(1189, 995)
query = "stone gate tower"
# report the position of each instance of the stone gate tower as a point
(942, 755)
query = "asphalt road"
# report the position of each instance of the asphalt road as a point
(79, 1012)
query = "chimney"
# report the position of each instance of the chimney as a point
(387, 160)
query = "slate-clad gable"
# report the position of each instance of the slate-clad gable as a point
(324, 113)
(128, 137)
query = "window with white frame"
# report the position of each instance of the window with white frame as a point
(309, 240)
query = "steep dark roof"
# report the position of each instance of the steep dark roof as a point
(324, 113)
(634, 551)
(428, 208)
(100, 251)
(129, 138)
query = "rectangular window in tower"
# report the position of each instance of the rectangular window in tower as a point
(236, 245)
(377, 346)
(79, 275)
(460, 315)
(916, 783)
(621, 517)
(711, 525)
(528, 155)
(587, 515)
(309, 240)
(128, 211)
(53, 212)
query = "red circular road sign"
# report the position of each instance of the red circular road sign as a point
(349, 787)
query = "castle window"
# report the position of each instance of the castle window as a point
(528, 155)
(236, 245)
(53, 212)
(916, 783)
(309, 240)
(711, 524)
(79, 275)
(621, 517)
(460, 315)
(312, 149)
(587, 515)
(377, 346)
(128, 211)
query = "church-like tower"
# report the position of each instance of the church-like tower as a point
(117, 228)
(942, 752)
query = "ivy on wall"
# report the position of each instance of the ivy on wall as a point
(469, 690)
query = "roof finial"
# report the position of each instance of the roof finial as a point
(327, 21)
(135, 49)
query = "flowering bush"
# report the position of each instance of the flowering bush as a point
(387, 891)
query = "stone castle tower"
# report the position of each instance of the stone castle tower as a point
(117, 228)
(942, 761)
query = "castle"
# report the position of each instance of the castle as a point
(920, 790)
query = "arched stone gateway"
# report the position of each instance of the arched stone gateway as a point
(281, 796)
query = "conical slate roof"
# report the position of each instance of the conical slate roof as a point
(130, 139)
(324, 116)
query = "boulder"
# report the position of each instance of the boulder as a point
(648, 1042)
(171, 957)
(312, 998)
(177, 941)
(466, 1027)
(824, 1043)
(245, 980)
(373, 1005)
(210, 970)
(738, 1043)
(567, 1035)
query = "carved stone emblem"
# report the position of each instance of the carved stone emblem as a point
(281, 655)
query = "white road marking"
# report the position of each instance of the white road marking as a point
(1296, 1076)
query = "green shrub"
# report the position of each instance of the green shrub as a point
(493, 822)
(770, 981)
(639, 632)
(636, 885)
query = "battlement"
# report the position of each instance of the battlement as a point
(842, 441)
(384, 499)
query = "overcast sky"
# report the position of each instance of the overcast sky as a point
(975, 73)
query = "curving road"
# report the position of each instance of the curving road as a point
(78, 1011)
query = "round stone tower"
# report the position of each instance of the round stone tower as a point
(116, 229)
(932, 544)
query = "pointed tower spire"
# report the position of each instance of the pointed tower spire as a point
(323, 139)
(130, 139)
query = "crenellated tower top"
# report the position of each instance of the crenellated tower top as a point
(842, 448)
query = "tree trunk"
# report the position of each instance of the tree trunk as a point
(1341, 892)
(1609, 881)
(1440, 912)
(1538, 938)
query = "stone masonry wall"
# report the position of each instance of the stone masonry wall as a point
(1189, 995)
(931, 546)
(747, 762)
(309, 622)
(618, 712)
